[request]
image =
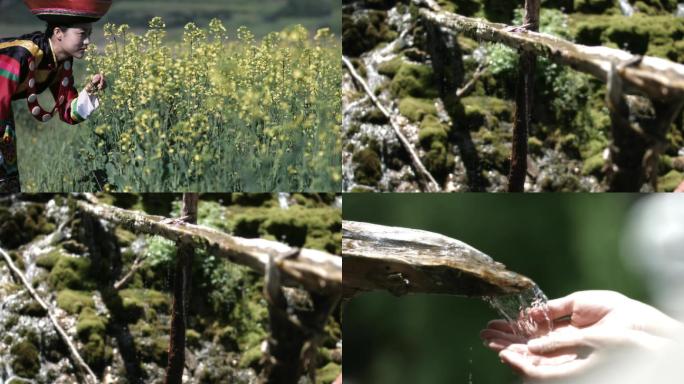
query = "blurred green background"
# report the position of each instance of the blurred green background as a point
(563, 242)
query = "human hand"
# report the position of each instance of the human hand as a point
(97, 83)
(587, 325)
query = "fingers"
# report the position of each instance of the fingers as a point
(564, 339)
(558, 308)
(500, 325)
(542, 368)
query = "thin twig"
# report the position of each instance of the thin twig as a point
(429, 181)
(137, 264)
(74, 352)
(470, 86)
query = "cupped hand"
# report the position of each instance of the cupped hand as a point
(586, 327)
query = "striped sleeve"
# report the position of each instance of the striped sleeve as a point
(10, 71)
(10, 68)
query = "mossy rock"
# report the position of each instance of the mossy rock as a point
(363, 31)
(375, 116)
(593, 6)
(593, 165)
(48, 260)
(143, 303)
(665, 164)
(21, 226)
(32, 308)
(91, 330)
(416, 109)
(391, 67)
(535, 145)
(328, 373)
(74, 247)
(251, 358)
(431, 129)
(415, 80)
(655, 7)
(71, 272)
(89, 323)
(74, 301)
(670, 181)
(592, 147)
(569, 144)
(155, 349)
(486, 111)
(368, 169)
(193, 338)
(25, 359)
(438, 160)
(641, 34)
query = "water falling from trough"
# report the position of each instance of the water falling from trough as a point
(404, 260)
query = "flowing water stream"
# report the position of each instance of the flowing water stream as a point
(517, 309)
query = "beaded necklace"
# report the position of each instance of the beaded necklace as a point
(34, 107)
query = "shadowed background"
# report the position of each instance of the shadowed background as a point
(564, 243)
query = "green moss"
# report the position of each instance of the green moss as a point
(74, 247)
(670, 181)
(486, 111)
(123, 237)
(413, 80)
(535, 145)
(364, 31)
(642, 34)
(416, 109)
(89, 323)
(665, 164)
(593, 165)
(467, 45)
(569, 143)
(328, 373)
(91, 331)
(74, 301)
(49, 259)
(71, 272)
(193, 338)
(390, 68)
(26, 360)
(143, 303)
(251, 357)
(368, 169)
(431, 129)
(438, 160)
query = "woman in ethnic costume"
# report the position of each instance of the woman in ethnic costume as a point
(32, 63)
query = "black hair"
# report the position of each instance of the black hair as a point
(49, 31)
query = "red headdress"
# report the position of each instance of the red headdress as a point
(69, 11)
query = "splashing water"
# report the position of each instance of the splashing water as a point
(517, 309)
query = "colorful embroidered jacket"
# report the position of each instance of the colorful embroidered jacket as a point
(14, 69)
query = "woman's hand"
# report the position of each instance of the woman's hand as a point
(97, 83)
(587, 327)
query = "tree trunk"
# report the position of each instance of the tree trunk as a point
(523, 104)
(181, 290)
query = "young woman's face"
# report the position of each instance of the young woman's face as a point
(75, 39)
